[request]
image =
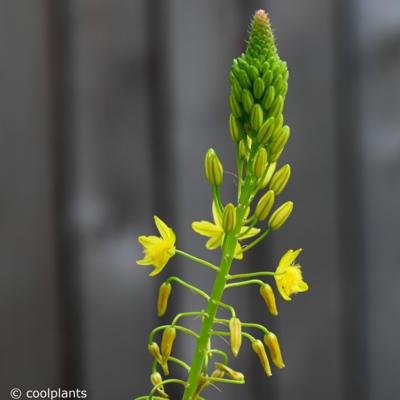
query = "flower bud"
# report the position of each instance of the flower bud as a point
(257, 116)
(167, 342)
(267, 77)
(229, 218)
(235, 107)
(264, 205)
(163, 296)
(235, 375)
(272, 343)
(236, 90)
(268, 295)
(280, 179)
(277, 106)
(268, 175)
(280, 215)
(235, 128)
(213, 167)
(269, 97)
(279, 143)
(243, 150)
(244, 79)
(266, 130)
(253, 72)
(258, 88)
(154, 350)
(260, 162)
(247, 101)
(259, 349)
(235, 328)
(156, 379)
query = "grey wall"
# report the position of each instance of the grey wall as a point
(106, 111)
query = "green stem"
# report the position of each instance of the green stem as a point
(217, 200)
(164, 383)
(258, 240)
(179, 362)
(250, 275)
(196, 259)
(188, 286)
(244, 283)
(186, 314)
(245, 324)
(177, 327)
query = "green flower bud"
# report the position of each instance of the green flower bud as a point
(278, 126)
(167, 342)
(253, 72)
(277, 83)
(260, 162)
(213, 167)
(268, 98)
(267, 77)
(266, 130)
(280, 179)
(279, 143)
(235, 128)
(277, 106)
(268, 175)
(284, 89)
(264, 205)
(235, 107)
(244, 79)
(258, 88)
(229, 218)
(237, 90)
(257, 116)
(247, 100)
(280, 215)
(243, 64)
(265, 66)
(243, 150)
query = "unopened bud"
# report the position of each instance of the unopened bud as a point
(235, 328)
(235, 107)
(267, 77)
(154, 350)
(266, 130)
(258, 88)
(260, 162)
(264, 205)
(268, 175)
(280, 179)
(244, 79)
(277, 106)
(243, 150)
(167, 342)
(257, 116)
(272, 343)
(259, 349)
(163, 296)
(235, 128)
(268, 295)
(279, 143)
(280, 215)
(229, 218)
(253, 72)
(156, 379)
(247, 101)
(213, 167)
(268, 98)
(235, 375)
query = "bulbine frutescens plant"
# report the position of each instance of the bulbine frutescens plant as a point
(258, 89)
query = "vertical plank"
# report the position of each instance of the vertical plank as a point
(29, 301)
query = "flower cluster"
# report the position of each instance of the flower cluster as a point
(259, 82)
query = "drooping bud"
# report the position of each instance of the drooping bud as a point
(229, 218)
(156, 379)
(268, 295)
(264, 205)
(268, 175)
(265, 131)
(279, 143)
(235, 375)
(256, 118)
(235, 128)
(163, 296)
(167, 342)
(280, 179)
(154, 350)
(280, 215)
(235, 328)
(213, 168)
(260, 162)
(258, 88)
(247, 100)
(259, 349)
(272, 343)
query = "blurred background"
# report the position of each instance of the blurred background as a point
(106, 111)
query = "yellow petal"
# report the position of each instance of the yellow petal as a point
(252, 232)
(156, 271)
(144, 261)
(166, 232)
(214, 242)
(147, 241)
(303, 286)
(206, 228)
(238, 252)
(283, 293)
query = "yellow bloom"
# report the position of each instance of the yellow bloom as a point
(216, 233)
(158, 250)
(288, 276)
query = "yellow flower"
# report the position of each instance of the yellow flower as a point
(288, 276)
(158, 250)
(216, 233)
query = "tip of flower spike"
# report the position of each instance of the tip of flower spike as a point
(261, 16)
